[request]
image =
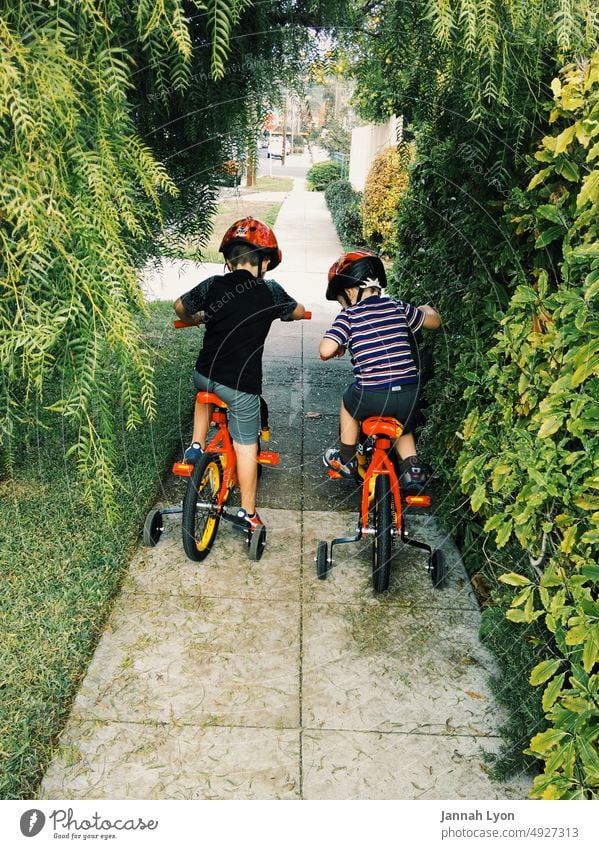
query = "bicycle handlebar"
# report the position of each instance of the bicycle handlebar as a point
(178, 323)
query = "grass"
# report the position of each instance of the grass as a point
(61, 567)
(273, 184)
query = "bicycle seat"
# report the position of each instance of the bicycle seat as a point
(210, 398)
(382, 426)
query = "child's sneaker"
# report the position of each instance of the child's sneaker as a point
(193, 453)
(412, 478)
(245, 522)
(332, 459)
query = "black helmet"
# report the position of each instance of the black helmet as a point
(356, 268)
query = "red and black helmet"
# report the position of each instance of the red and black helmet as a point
(356, 268)
(252, 231)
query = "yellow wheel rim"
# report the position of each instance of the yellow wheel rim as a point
(211, 479)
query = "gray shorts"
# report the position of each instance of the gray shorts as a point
(243, 409)
(401, 403)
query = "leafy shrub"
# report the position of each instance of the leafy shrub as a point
(345, 204)
(529, 457)
(336, 139)
(386, 182)
(320, 175)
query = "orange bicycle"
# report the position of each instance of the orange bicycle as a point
(381, 507)
(211, 481)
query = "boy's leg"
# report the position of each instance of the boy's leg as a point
(348, 434)
(244, 426)
(202, 416)
(348, 428)
(406, 445)
(247, 474)
(342, 460)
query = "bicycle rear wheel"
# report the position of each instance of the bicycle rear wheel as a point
(383, 527)
(200, 516)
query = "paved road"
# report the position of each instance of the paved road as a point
(239, 680)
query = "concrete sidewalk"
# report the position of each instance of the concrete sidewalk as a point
(240, 680)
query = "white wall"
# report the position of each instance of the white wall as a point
(366, 142)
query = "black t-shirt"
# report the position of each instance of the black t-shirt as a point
(239, 310)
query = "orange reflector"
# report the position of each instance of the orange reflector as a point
(268, 458)
(333, 474)
(183, 469)
(418, 500)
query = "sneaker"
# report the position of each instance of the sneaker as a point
(332, 459)
(244, 522)
(193, 453)
(412, 479)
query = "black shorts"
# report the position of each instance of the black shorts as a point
(401, 403)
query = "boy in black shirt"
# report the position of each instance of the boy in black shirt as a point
(238, 309)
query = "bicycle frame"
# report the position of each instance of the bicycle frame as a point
(383, 430)
(221, 444)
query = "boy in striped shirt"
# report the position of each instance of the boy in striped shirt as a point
(376, 330)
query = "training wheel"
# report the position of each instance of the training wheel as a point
(152, 528)
(439, 572)
(322, 563)
(257, 543)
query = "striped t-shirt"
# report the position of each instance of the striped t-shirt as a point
(376, 334)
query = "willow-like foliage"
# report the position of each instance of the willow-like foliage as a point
(114, 119)
(78, 189)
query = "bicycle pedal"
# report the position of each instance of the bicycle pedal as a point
(334, 475)
(184, 470)
(417, 500)
(268, 458)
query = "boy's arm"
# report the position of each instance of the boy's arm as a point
(329, 349)
(196, 318)
(190, 307)
(298, 313)
(432, 319)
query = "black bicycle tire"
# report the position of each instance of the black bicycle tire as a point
(194, 550)
(439, 570)
(322, 564)
(257, 543)
(152, 529)
(383, 527)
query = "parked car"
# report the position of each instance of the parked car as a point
(275, 147)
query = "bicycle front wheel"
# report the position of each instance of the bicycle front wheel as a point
(200, 515)
(383, 529)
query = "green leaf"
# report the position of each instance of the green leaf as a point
(504, 534)
(564, 139)
(568, 169)
(577, 635)
(515, 615)
(550, 212)
(550, 235)
(514, 580)
(543, 671)
(590, 652)
(539, 178)
(590, 190)
(552, 691)
(546, 740)
(478, 497)
(550, 425)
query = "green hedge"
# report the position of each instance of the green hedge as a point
(62, 565)
(320, 175)
(345, 206)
